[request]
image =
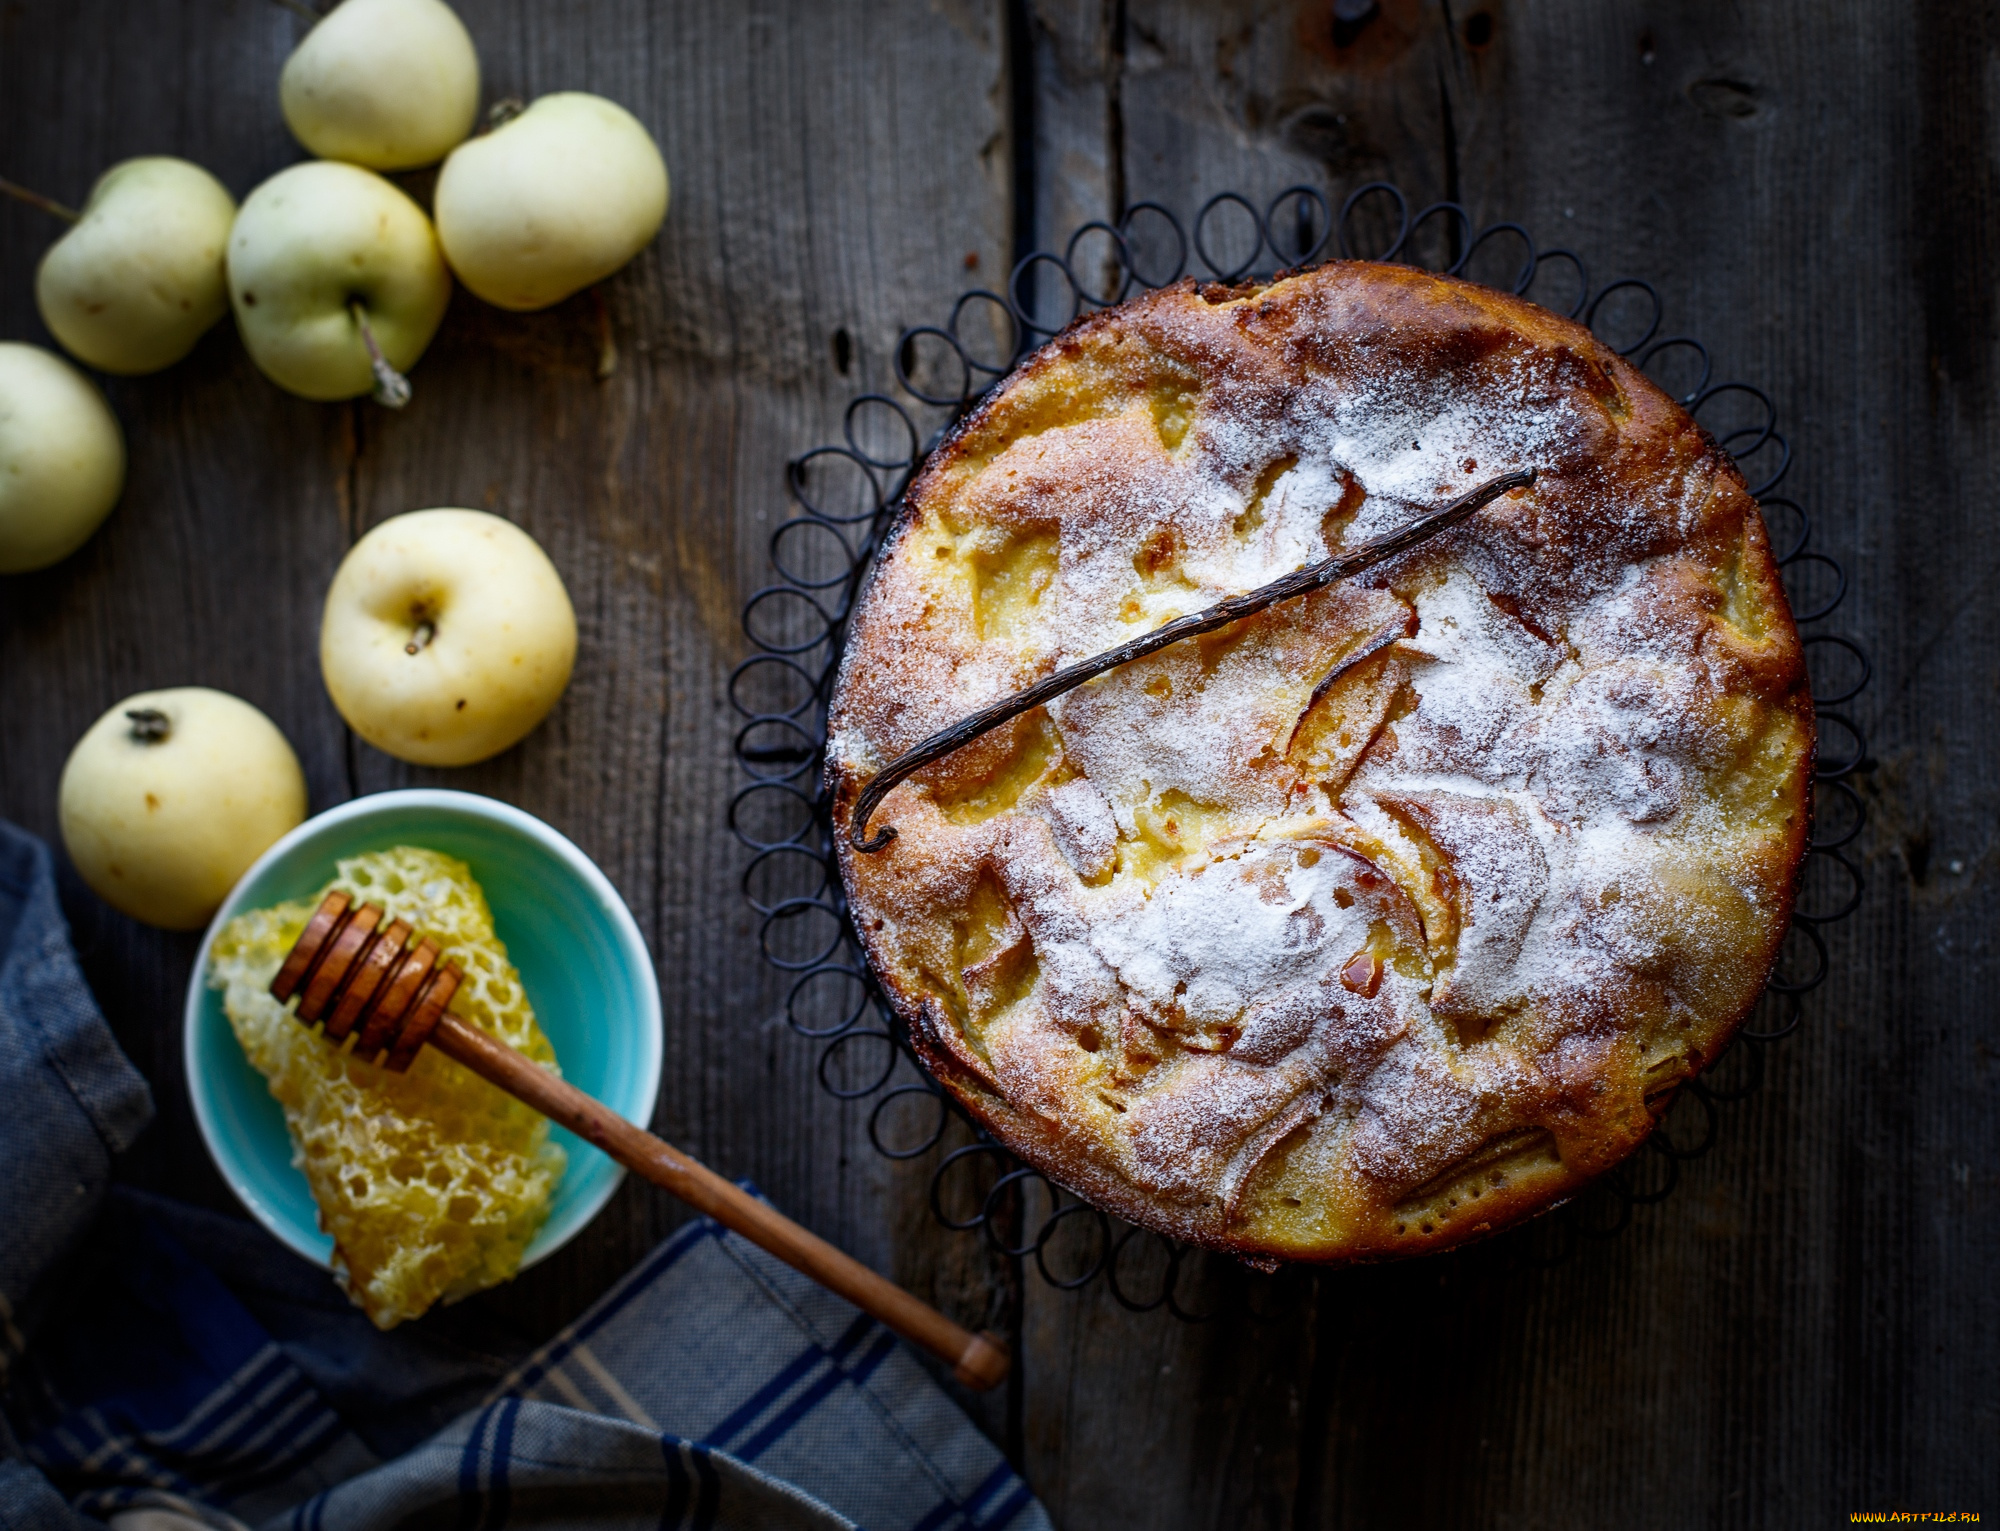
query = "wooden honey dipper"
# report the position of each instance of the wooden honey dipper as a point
(362, 977)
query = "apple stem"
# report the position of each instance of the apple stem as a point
(392, 389)
(503, 111)
(36, 199)
(149, 724)
(421, 638)
(607, 343)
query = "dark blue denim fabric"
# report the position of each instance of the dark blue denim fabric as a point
(69, 1100)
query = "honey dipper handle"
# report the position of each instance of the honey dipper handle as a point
(976, 1360)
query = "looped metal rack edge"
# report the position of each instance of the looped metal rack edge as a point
(847, 493)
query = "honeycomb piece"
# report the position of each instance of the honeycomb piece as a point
(431, 1182)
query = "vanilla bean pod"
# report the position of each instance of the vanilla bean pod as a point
(1300, 582)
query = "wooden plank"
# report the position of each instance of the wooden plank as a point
(1263, 97)
(1071, 70)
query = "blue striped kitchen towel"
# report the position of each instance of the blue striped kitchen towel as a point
(714, 1340)
(152, 1383)
(713, 1387)
(731, 1391)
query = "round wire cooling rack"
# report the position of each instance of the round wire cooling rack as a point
(847, 494)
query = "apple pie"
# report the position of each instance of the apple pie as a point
(1390, 915)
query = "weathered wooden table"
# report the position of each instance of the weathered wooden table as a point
(1811, 1324)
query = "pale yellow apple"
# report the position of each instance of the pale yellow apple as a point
(170, 796)
(139, 279)
(318, 250)
(390, 84)
(62, 458)
(447, 636)
(545, 205)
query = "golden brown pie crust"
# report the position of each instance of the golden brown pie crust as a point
(1293, 958)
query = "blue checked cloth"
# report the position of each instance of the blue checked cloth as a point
(167, 1367)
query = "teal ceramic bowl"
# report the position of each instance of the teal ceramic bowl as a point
(580, 956)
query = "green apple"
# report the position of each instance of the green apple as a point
(333, 270)
(447, 636)
(170, 796)
(139, 279)
(550, 202)
(62, 458)
(390, 84)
